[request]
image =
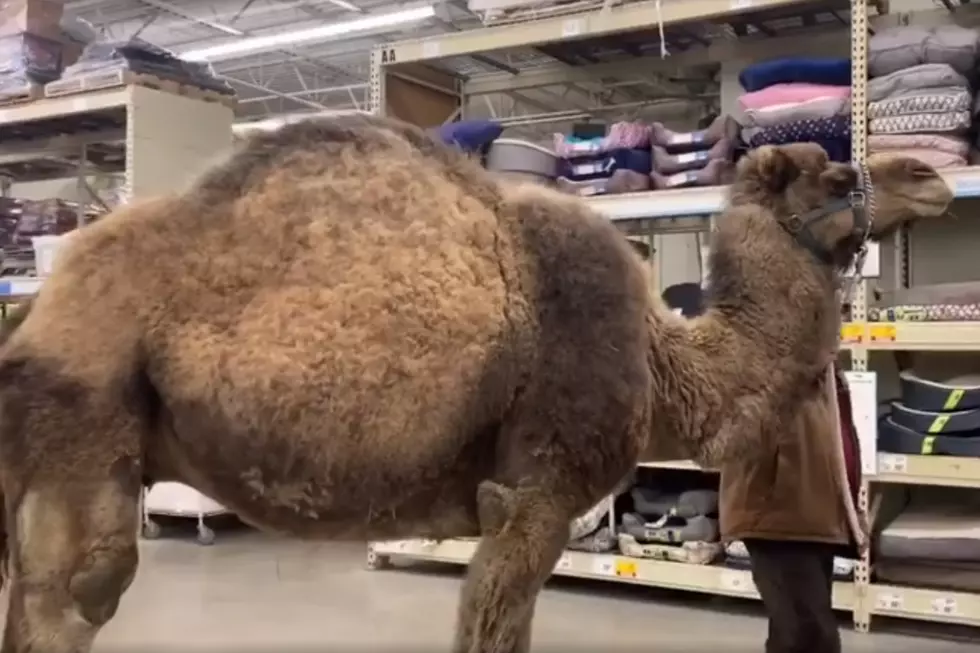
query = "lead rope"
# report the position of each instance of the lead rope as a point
(660, 30)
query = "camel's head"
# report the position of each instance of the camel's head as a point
(832, 208)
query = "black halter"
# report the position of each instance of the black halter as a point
(860, 201)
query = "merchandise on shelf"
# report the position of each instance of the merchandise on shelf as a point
(141, 58)
(522, 160)
(933, 542)
(667, 524)
(27, 59)
(621, 170)
(37, 17)
(944, 302)
(920, 100)
(933, 417)
(472, 136)
(798, 100)
(23, 220)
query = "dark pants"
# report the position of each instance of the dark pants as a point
(795, 580)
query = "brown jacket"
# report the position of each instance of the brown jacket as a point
(799, 486)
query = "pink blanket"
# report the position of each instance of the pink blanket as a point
(790, 94)
(883, 142)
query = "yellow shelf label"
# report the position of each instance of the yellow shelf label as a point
(883, 333)
(852, 332)
(625, 568)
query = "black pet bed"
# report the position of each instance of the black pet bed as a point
(923, 394)
(933, 422)
(895, 438)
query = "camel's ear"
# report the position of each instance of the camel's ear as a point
(839, 179)
(773, 168)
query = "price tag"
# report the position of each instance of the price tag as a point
(863, 389)
(564, 562)
(883, 333)
(741, 4)
(888, 601)
(737, 582)
(78, 106)
(852, 333)
(431, 49)
(572, 27)
(893, 463)
(625, 568)
(603, 566)
(944, 605)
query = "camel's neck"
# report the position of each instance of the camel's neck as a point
(771, 324)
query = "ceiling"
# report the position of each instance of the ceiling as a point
(311, 76)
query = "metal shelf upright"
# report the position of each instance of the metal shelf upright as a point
(158, 140)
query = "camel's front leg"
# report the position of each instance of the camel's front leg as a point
(523, 536)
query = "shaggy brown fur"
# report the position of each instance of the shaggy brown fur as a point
(347, 331)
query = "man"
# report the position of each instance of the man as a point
(787, 504)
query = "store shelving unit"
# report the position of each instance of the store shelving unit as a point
(158, 140)
(410, 74)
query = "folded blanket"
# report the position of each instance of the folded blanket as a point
(943, 101)
(803, 131)
(790, 93)
(917, 78)
(899, 48)
(777, 114)
(831, 71)
(946, 144)
(470, 135)
(954, 122)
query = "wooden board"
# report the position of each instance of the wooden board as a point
(117, 77)
(27, 93)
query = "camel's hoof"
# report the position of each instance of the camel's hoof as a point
(205, 536)
(150, 530)
(375, 561)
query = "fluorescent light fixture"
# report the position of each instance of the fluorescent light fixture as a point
(324, 32)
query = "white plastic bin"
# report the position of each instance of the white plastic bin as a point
(45, 251)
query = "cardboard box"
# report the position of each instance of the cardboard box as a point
(38, 17)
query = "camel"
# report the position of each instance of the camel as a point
(348, 331)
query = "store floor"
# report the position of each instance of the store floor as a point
(249, 592)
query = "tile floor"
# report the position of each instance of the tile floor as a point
(249, 592)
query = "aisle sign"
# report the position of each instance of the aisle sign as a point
(863, 387)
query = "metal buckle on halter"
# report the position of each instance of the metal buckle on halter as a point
(793, 224)
(858, 199)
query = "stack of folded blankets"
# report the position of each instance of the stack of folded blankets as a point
(618, 162)
(798, 100)
(921, 103)
(699, 158)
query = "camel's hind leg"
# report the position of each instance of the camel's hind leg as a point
(73, 554)
(523, 537)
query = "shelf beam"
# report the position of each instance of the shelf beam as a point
(629, 18)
